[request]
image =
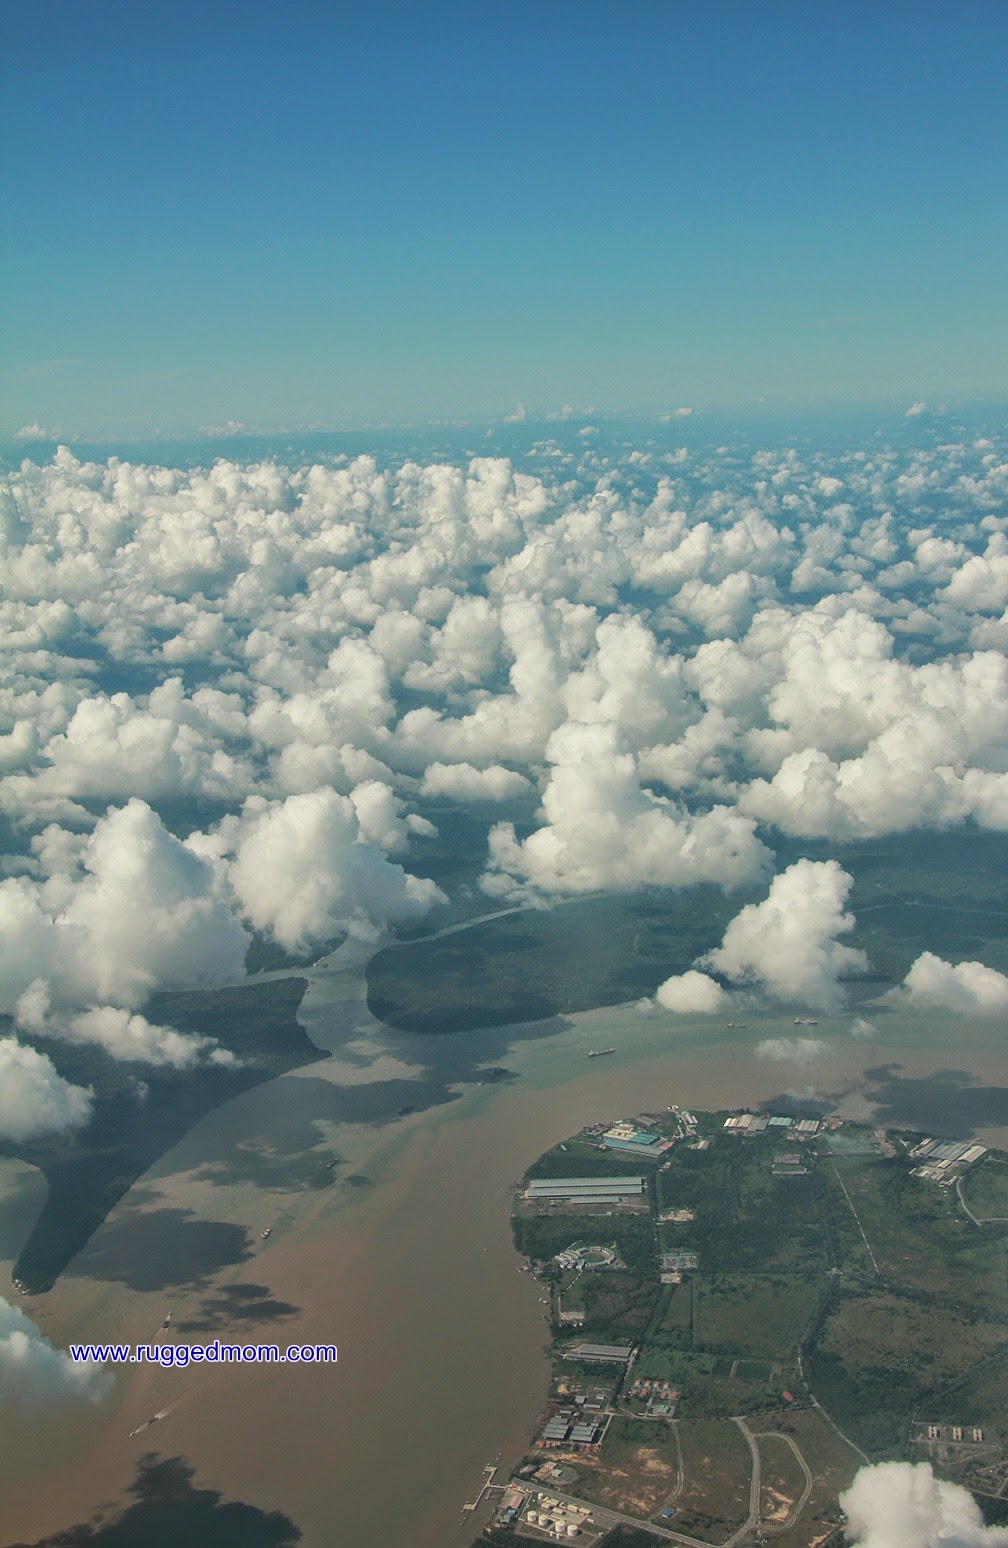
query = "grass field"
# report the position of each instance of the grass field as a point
(985, 1189)
(717, 1469)
(754, 1314)
(782, 1481)
(830, 1460)
(636, 1471)
(921, 1237)
(677, 1322)
(879, 1354)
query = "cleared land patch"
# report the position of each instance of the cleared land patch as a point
(717, 1469)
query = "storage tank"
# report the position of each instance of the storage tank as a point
(572, 1529)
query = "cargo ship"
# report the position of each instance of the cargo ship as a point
(599, 1053)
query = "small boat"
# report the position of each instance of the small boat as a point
(599, 1053)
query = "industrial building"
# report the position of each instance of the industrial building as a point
(586, 1190)
(558, 1518)
(623, 1136)
(680, 1260)
(602, 1354)
(942, 1161)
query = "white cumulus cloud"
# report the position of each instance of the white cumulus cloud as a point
(464, 782)
(604, 830)
(130, 1036)
(798, 1051)
(969, 987)
(302, 871)
(903, 1505)
(34, 1374)
(34, 1098)
(788, 943)
(691, 993)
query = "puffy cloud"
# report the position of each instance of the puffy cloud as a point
(19, 746)
(146, 914)
(905, 746)
(629, 682)
(129, 1036)
(113, 747)
(463, 782)
(798, 1051)
(366, 628)
(969, 987)
(302, 871)
(34, 1099)
(903, 1505)
(787, 944)
(980, 585)
(34, 1374)
(143, 913)
(691, 993)
(378, 816)
(603, 830)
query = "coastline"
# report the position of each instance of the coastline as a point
(411, 1273)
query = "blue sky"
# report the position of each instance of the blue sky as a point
(323, 214)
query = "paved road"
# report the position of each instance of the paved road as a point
(611, 1517)
(987, 1220)
(752, 1520)
(809, 1480)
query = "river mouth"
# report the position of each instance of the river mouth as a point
(399, 1252)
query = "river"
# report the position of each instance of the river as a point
(400, 1254)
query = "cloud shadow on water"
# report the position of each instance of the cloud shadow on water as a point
(949, 1102)
(300, 1165)
(236, 1303)
(157, 1248)
(167, 1511)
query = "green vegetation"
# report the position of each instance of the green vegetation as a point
(599, 951)
(717, 1468)
(677, 1321)
(759, 1314)
(880, 1353)
(624, 1536)
(141, 1110)
(831, 1461)
(985, 1189)
(912, 893)
(921, 1236)
(895, 1300)
(635, 1470)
